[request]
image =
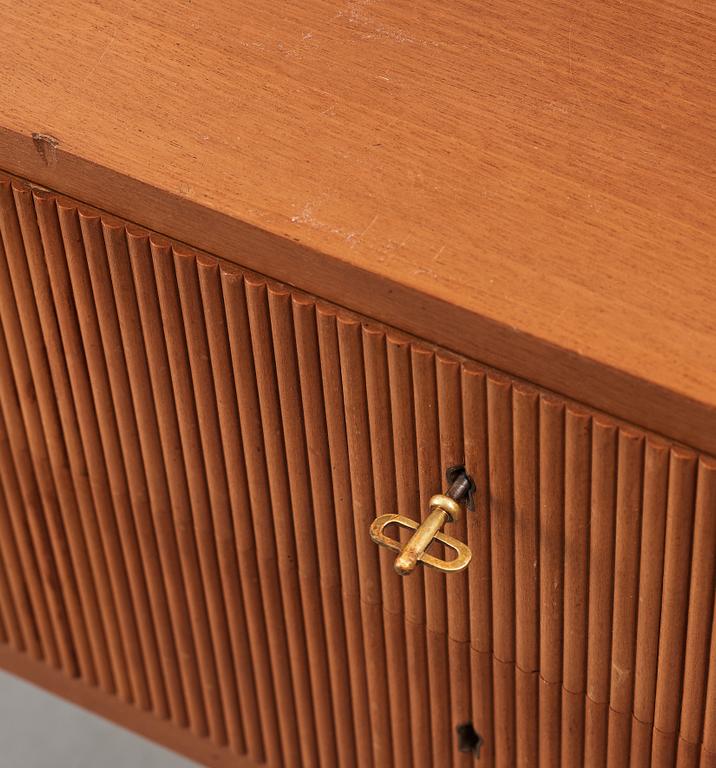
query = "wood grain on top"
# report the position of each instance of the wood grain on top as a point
(531, 184)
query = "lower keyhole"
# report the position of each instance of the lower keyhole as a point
(468, 739)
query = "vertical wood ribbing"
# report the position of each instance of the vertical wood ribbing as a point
(577, 484)
(4, 605)
(225, 388)
(500, 451)
(350, 586)
(169, 434)
(452, 453)
(626, 584)
(56, 262)
(10, 608)
(709, 732)
(140, 636)
(640, 748)
(651, 560)
(383, 468)
(190, 460)
(551, 543)
(358, 441)
(148, 488)
(77, 264)
(265, 527)
(29, 524)
(177, 647)
(17, 551)
(504, 704)
(700, 615)
(525, 438)
(305, 522)
(601, 585)
(499, 396)
(319, 466)
(526, 473)
(240, 690)
(39, 412)
(25, 634)
(408, 498)
(675, 593)
(474, 408)
(260, 324)
(91, 643)
(428, 453)
(227, 704)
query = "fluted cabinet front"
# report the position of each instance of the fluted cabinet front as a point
(190, 460)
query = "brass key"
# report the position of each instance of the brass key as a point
(443, 508)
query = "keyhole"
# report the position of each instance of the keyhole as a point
(468, 739)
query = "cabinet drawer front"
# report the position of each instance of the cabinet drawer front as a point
(190, 460)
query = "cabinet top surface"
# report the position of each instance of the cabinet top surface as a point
(548, 166)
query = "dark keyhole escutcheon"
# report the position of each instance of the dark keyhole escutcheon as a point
(468, 739)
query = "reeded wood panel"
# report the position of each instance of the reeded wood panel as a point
(190, 458)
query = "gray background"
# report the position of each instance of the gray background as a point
(39, 730)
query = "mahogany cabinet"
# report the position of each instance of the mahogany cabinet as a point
(395, 239)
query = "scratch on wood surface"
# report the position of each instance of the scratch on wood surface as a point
(106, 48)
(372, 29)
(372, 221)
(307, 217)
(46, 146)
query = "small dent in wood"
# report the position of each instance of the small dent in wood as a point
(46, 146)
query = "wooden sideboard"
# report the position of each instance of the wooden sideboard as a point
(269, 270)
